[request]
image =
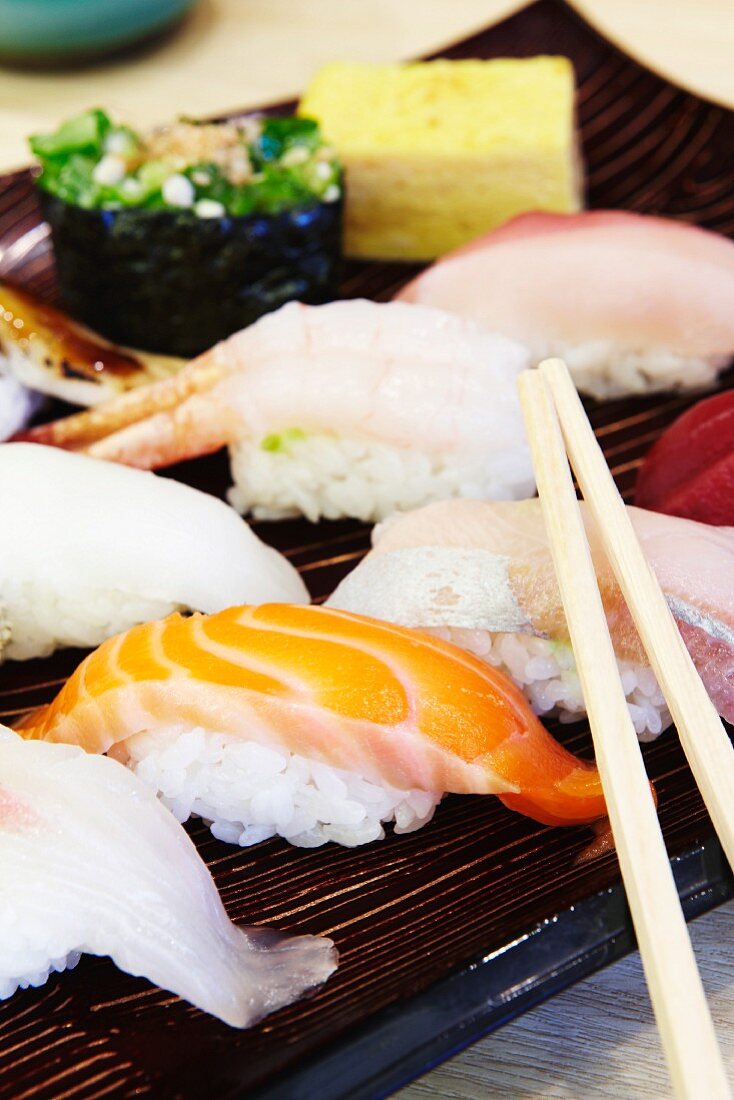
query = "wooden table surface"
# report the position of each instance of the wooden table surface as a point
(597, 1039)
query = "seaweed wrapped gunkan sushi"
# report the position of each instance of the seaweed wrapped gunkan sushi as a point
(174, 239)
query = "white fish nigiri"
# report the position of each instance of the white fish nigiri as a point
(92, 862)
(481, 575)
(633, 303)
(88, 549)
(353, 408)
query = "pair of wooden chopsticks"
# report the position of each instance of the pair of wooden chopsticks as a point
(553, 413)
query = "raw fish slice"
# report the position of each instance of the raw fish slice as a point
(90, 861)
(690, 470)
(48, 352)
(480, 566)
(350, 408)
(88, 548)
(387, 704)
(634, 303)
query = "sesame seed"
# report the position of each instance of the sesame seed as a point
(109, 170)
(297, 154)
(209, 208)
(117, 143)
(178, 191)
(131, 187)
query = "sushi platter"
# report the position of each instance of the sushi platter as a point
(443, 933)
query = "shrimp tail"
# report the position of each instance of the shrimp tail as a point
(152, 426)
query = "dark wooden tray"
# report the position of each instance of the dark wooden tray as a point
(446, 932)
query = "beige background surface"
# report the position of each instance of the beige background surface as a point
(597, 1039)
(235, 53)
(240, 53)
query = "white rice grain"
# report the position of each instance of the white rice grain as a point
(248, 792)
(545, 670)
(324, 476)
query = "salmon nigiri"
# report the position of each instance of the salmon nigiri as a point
(313, 724)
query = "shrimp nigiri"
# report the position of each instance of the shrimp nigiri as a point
(633, 303)
(481, 574)
(91, 862)
(312, 724)
(347, 409)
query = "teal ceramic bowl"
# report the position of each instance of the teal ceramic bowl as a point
(67, 30)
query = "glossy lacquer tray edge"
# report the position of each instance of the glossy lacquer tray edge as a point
(406, 1041)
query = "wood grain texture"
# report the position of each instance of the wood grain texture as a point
(408, 911)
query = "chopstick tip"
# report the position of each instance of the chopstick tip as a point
(553, 367)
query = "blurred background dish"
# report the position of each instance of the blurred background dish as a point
(69, 30)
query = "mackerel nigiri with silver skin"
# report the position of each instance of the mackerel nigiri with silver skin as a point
(312, 724)
(480, 574)
(90, 861)
(633, 303)
(88, 548)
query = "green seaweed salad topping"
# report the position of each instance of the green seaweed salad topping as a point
(253, 165)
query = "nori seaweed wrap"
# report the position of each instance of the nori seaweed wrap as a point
(171, 282)
(173, 257)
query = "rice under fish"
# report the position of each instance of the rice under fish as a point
(91, 862)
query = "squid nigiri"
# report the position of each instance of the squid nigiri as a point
(348, 409)
(633, 303)
(313, 724)
(90, 861)
(88, 549)
(481, 575)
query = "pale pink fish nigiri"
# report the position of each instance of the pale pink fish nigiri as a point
(481, 575)
(91, 861)
(633, 303)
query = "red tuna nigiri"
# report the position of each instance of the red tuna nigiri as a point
(690, 470)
